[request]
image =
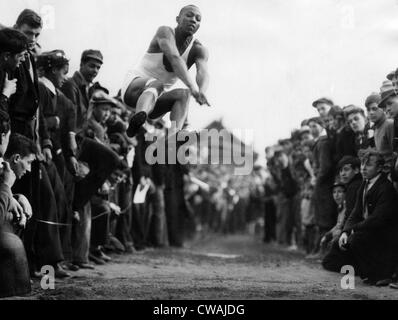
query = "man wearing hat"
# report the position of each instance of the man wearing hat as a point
(77, 88)
(171, 53)
(323, 105)
(100, 109)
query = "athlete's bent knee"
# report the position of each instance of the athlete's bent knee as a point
(184, 95)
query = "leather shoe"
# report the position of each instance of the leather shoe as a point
(70, 266)
(383, 282)
(100, 254)
(394, 285)
(60, 273)
(83, 265)
(96, 260)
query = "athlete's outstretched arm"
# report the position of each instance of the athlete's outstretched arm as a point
(202, 74)
(166, 41)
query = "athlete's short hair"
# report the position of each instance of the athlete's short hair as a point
(186, 7)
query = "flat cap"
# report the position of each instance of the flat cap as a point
(93, 54)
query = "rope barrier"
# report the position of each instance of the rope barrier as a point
(92, 218)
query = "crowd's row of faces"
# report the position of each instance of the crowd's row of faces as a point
(357, 121)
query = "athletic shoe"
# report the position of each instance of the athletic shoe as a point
(136, 123)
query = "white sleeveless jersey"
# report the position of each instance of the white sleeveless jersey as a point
(151, 66)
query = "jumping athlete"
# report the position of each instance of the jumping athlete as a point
(170, 55)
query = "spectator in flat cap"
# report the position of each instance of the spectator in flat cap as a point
(92, 55)
(393, 77)
(387, 92)
(323, 106)
(100, 111)
(383, 129)
(77, 88)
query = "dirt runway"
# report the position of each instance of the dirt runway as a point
(216, 267)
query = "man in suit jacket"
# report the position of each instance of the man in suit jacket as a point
(369, 240)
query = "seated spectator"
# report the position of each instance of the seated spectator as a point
(339, 198)
(14, 269)
(369, 239)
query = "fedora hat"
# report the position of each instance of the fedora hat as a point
(387, 91)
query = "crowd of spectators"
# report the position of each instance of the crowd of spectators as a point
(332, 187)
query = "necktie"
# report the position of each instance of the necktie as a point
(364, 204)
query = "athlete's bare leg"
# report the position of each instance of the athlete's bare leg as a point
(176, 102)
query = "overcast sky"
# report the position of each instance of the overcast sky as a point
(269, 59)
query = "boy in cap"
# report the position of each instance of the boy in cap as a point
(100, 108)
